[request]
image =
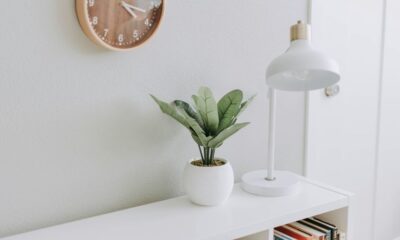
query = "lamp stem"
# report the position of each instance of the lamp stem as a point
(271, 136)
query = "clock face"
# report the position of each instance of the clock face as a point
(119, 24)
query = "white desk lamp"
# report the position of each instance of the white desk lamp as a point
(300, 68)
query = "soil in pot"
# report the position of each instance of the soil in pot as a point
(215, 163)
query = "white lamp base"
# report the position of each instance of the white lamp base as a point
(285, 183)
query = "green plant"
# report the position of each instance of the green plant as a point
(209, 122)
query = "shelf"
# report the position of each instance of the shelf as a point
(244, 214)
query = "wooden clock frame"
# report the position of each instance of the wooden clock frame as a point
(82, 13)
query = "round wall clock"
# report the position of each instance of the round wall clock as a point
(119, 24)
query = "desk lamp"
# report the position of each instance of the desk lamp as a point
(300, 68)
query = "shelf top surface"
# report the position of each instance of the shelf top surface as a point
(178, 218)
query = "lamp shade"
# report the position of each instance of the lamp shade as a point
(302, 68)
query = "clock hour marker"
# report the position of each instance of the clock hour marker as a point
(154, 5)
(120, 38)
(95, 20)
(135, 33)
(91, 3)
(105, 32)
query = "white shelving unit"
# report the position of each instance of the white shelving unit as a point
(244, 216)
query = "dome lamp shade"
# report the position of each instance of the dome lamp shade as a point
(301, 67)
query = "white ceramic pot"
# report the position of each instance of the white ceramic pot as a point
(208, 186)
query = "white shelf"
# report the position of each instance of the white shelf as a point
(244, 214)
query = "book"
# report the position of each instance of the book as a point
(309, 229)
(315, 233)
(276, 237)
(333, 228)
(293, 232)
(317, 227)
(283, 236)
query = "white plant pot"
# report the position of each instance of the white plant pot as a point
(208, 186)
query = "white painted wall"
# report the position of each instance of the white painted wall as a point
(342, 130)
(79, 135)
(387, 209)
(354, 137)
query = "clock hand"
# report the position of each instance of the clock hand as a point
(133, 7)
(128, 9)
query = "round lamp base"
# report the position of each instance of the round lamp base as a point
(284, 184)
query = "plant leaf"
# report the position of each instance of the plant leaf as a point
(190, 111)
(171, 110)
(196, 128)
(228, 108)
(245, 104)
(207, 107)
(219, 145)
(220, 138)
(196, 139)
(195, 99)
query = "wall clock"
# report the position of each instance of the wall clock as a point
(119, 24)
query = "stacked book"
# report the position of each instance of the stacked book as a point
(308, 229)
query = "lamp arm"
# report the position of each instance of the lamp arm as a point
(271, 135)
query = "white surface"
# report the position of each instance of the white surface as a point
(342, 129)
(271, 133)
(387, 209)
(196, 182)
(284, 183)
(177, 218)
(301, 68)
(79, 134)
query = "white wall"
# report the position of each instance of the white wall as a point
(387, 209)
(343, 129)
(353, 139)
(79, 135)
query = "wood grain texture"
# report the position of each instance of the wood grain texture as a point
(114, 26)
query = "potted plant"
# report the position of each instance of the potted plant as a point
(208, 180)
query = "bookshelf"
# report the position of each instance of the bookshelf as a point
(244, 216)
